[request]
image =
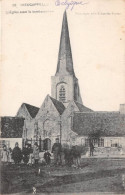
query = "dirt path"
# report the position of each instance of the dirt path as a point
(95, 175)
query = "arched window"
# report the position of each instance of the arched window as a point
(62, 94)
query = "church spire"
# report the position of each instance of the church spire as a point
(65, 87)
(65, 63)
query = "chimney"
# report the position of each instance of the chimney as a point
(122, 109)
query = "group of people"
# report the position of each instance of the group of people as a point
(31, 156)
(66, 156)
(6, 154)
(27, 154)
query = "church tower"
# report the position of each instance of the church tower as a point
(64, 85)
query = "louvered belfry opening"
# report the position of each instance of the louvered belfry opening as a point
(62, 94)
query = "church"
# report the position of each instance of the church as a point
(63, 114)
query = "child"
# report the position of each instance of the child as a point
(4, 154)
(10, 160)
(36, 153)
(31, 158)
(25, 153)
(47, 157)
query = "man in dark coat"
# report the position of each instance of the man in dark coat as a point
(26, 153)
(17, 154)
(91, 148)
(47, 156)
(56, 150)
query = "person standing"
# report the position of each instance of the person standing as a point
(47, 156)
(4, 154)
(31, 159)
(25, 153)
(36, 153)
(17, 154)
(91, 148)
(77, 156)
(56, 150)
(10, 156)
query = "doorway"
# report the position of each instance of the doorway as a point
(47, 144)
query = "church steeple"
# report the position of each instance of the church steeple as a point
(65, 62)
(64, 85)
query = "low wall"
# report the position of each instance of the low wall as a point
(10, 142)
(109, 150)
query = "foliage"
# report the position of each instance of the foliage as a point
(95, 134)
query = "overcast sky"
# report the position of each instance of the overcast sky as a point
(30, 43)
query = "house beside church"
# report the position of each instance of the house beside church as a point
(63, 114)
(11, 131)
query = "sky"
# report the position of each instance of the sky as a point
(30, 44)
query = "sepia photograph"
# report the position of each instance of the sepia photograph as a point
(62, 98)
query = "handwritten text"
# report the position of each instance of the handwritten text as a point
(70, 4)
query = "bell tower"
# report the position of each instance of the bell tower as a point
(64, 85)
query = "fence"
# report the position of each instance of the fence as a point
(43, 144)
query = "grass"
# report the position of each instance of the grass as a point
(95, 175)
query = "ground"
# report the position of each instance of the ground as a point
(95, 175)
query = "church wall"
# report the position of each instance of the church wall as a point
(48, 121)
(23, 112)
(67, 122)
(29, 128)
(29, 121)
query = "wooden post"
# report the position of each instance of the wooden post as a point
(40, 143)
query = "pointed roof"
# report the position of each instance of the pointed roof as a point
(82, 108)
(65, 63)
(59, 105)
(33, 110)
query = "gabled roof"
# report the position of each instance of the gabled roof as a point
(82, 108)
(11, 127)
(108, 123)
(33, 110)
(59, 105)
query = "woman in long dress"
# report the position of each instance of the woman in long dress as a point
(17, 154)
(4, 154)
(10, 160)
(36, 153)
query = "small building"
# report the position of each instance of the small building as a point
(106, 129)
(11, 131)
